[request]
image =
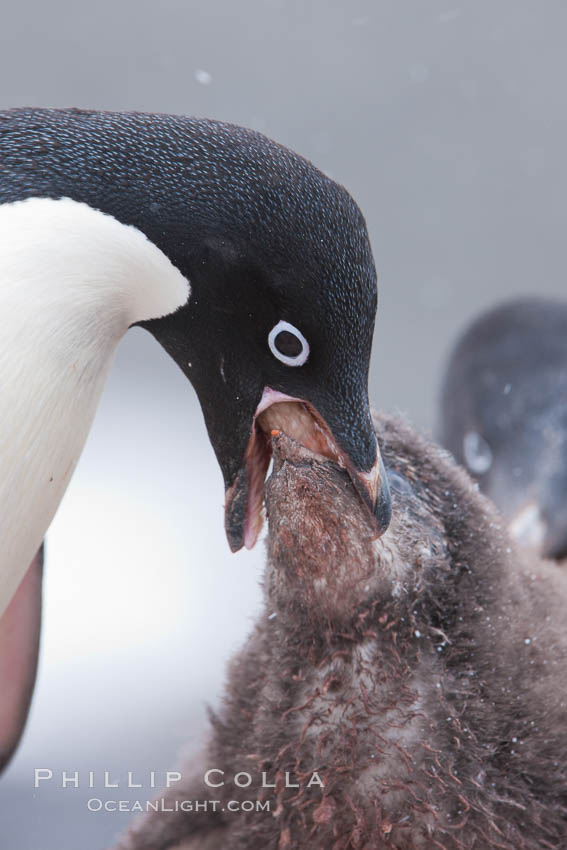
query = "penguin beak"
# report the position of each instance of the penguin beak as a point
(298, 419)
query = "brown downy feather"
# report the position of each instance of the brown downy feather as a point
(421, 677)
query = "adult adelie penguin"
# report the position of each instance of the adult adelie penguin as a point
(249, 266)
(503, 415)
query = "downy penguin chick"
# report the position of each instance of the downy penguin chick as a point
(503, 415)
(405, 692)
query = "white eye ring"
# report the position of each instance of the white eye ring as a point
(298, 359)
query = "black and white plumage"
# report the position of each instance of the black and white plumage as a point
(503, 415)
(250, 267)
(421, 676)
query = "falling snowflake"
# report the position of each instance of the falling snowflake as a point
(203, 77)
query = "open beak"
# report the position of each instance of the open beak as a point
(297, 418)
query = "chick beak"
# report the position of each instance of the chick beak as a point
(299, 420)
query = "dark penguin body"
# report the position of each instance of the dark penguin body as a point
(413, 689)
(503, 415)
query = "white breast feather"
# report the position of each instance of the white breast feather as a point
(72, 280)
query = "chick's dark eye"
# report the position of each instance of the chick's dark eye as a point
(288, 344)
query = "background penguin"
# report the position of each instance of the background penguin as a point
(503, 415)
(249, 266)
(422, 676)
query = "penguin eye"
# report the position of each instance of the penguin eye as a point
(288, 344)
(477, 452)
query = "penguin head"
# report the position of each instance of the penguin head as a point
(504, 416)
(277, 335)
